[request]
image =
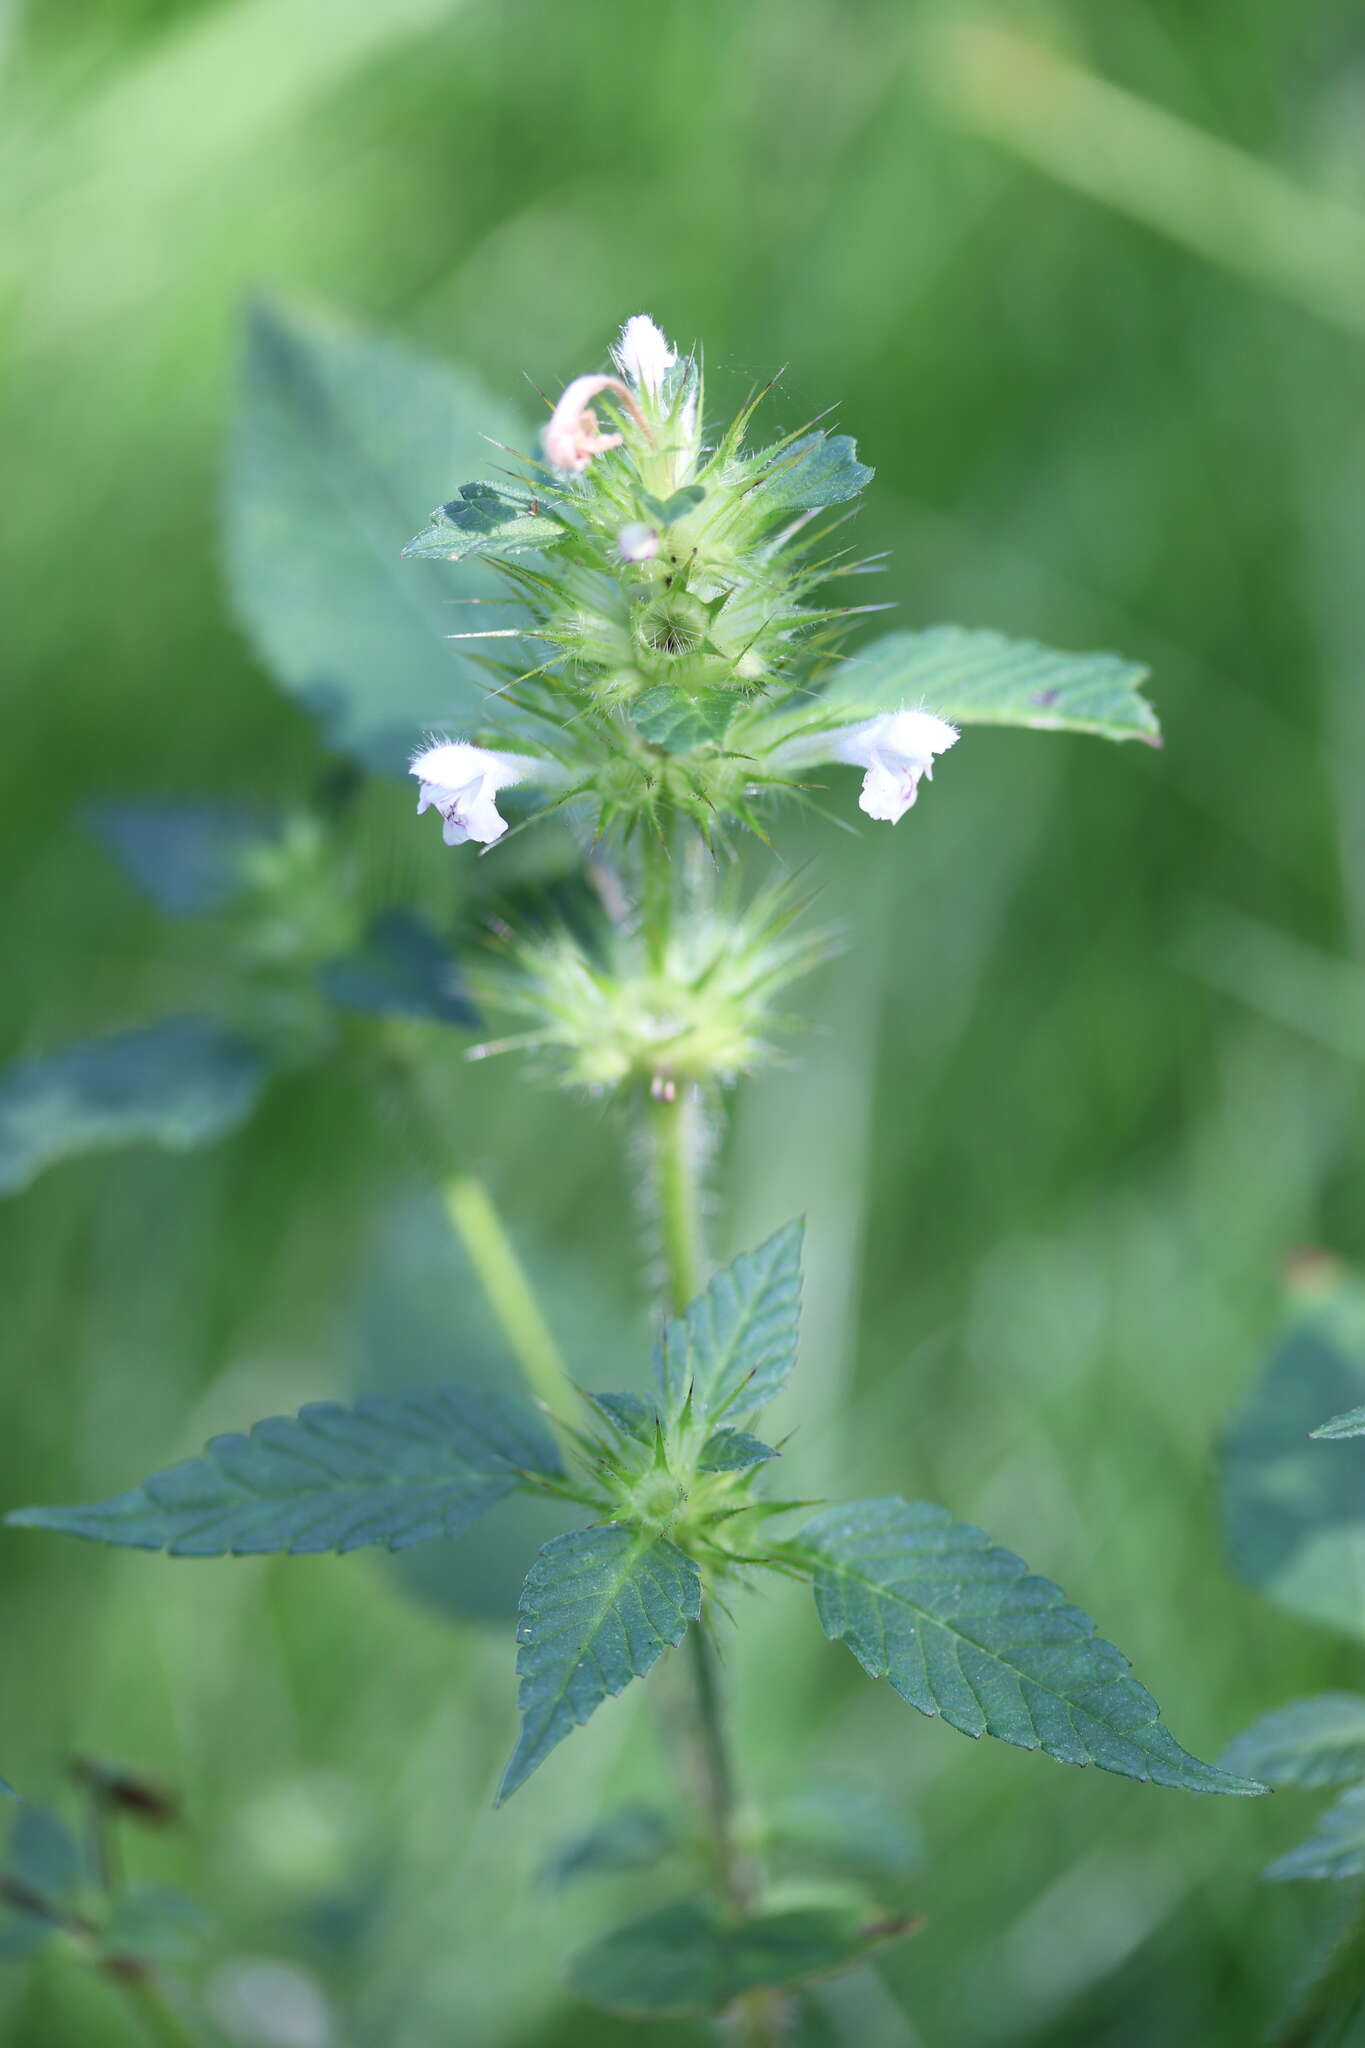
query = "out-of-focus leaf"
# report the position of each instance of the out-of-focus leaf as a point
(635, 1838)
(152, 1924)
(402, 969)
(687, 1959)
(186, 856)
(22, 1935)
(819, 469)
(179, 1083)
(843, 1830)
(44, 1854)
(1319, 1741)
(393, 1470)
(963, 1629)
(341, 438)
(599, 1608)
(736, 1346)
(1336, 1847)
(733, 1450)
(1293, 1510)
(486, 519)
(982, 678)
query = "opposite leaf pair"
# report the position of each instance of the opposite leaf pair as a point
(958, 1625)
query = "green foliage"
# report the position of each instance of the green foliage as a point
(1352, 1423)
(687, 1958)
(842, 1831)
(632, 1838)
(1335, 1849)
(338, 437)
(736, 1346)
(391, 1470)
(1319, 1741)
(733, 1450)
(402, 969)
(813, 471)
(179, 1083)
(599, 1608)
(152, 1924)
(187, 857)
(1294, 1510)
(963, 1629)
(45, 1857)
(680, 721)
(974, 677)
(497, 519)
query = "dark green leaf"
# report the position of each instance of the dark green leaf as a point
(44, 1855)
(842, 1830)
(179, 1083)
(341, 439)
(678, 720)
(982, 678)
(736, 1346)
(687, 1959)
(963, 1629)
(636, 1838)
(393, 1470)
(630, 1413)
(1352, 1423)
(731, 1450)
(820, 469)
(599, 1608)
(21, 1936)
(186, 857)
(1318, 1741)
(401, 970)
(1294, 1511)
(485, 519)
(1335, 1849)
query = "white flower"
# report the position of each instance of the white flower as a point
(637, 542)
(896, 749)
(462, 783)
(642, 354)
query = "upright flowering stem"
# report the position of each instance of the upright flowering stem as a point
(675, 1142)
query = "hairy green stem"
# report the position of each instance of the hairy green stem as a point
(503, 1278)
(676, 1142)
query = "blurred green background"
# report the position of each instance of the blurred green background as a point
(1069, 1103)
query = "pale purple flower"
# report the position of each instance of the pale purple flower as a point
(896, 749)
(462, 783)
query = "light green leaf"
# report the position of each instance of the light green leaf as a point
(736, 1346)
(1318, 1741)
(1294, 1510)
(686, 1958)
(341, 440)
(634, 1838)
(1335, 1849)
(600, 1607)
(733, 1450)
(180, 1083)
(981, 678)
(963, 1629)
(486, 519)
(819, 469)
(393, 1470)
(1352, 1423)
(678, 720)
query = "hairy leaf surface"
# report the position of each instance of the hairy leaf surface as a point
(599, 1608)
(485, 519)
(977, 677)
(963, 1629)
(820, 469)
(179, 1083)
(393, 1470)
(735, 1347)
(1319, 1741)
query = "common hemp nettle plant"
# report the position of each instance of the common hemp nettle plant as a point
(666, 672)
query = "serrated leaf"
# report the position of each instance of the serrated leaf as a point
(485, 519)
(1319, 1741)
(678, 720)
(401, 970)
(600, 1607)
(1293, 1509)
(687, 1959)
(187, 857)
(842, 1829)
(1352, 1423)
(1335, 1849)
(735, 1347)
(733, 1450)
(635, 1838)
(44, 1855)
(819, 469)
(392, 1470)
(630, 1413)
(180, 1083)
(982, 678)
(964, 1630)
(341, 438)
